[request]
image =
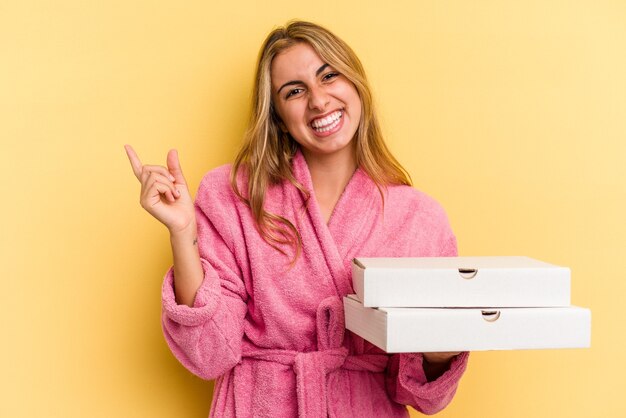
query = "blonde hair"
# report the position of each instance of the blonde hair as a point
(267, 151)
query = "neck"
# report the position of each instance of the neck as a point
(331, 173)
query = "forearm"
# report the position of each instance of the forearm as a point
(206, 337)
(408, 383)
(188, 273)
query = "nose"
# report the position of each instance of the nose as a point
(318, 98)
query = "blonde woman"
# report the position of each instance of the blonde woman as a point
(262, 260)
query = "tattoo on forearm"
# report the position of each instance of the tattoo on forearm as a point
(195, 241)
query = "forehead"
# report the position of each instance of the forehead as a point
(297, 62)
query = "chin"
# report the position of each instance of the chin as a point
(331, 149)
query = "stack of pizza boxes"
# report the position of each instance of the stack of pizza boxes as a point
(444, 304)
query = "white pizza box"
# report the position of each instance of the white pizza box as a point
(408, 330)
(460, 282)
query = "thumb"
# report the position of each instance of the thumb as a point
(173, 165)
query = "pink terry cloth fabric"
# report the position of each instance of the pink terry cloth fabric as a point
(273, 335)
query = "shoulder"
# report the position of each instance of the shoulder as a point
(423, 218)
(215, 198)
(416, 202)
(217, 179)
(219, 211)
(215, 185)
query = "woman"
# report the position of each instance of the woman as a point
(262, 261)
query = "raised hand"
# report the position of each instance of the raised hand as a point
(164, 192)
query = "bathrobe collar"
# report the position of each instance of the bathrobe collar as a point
(350, 222)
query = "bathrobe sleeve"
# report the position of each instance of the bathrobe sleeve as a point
(406, 381)
(206, 338)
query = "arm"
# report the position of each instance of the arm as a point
(427, 386)
(407, 382)
(204, 299)
(187, 264)
(203, 295)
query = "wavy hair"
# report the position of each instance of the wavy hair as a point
(267, 151)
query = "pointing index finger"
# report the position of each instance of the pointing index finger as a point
(135, 162)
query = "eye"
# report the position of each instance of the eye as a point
(329, 76)
(292, 92)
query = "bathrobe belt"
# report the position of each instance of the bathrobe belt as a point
(312, 367)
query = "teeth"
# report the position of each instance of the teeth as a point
(332, 119)
(328, 128)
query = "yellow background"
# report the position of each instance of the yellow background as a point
(510, 113)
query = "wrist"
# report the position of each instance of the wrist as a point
(439, 358)
(435, 365)
(185, 233)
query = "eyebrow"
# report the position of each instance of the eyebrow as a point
(290, 83)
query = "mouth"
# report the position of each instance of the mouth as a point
(327, 123)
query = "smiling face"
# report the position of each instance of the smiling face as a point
(318, 106)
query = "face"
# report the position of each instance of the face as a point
(318, 106)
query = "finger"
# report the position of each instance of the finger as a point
(135, 162)
(164, 190)
(155, 177)
(158, 189)
(173, 165)
(148, 170)
(159, 169)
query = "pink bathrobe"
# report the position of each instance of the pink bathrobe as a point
(274, 336)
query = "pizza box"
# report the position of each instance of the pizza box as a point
(460, 282)
(408, 330)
